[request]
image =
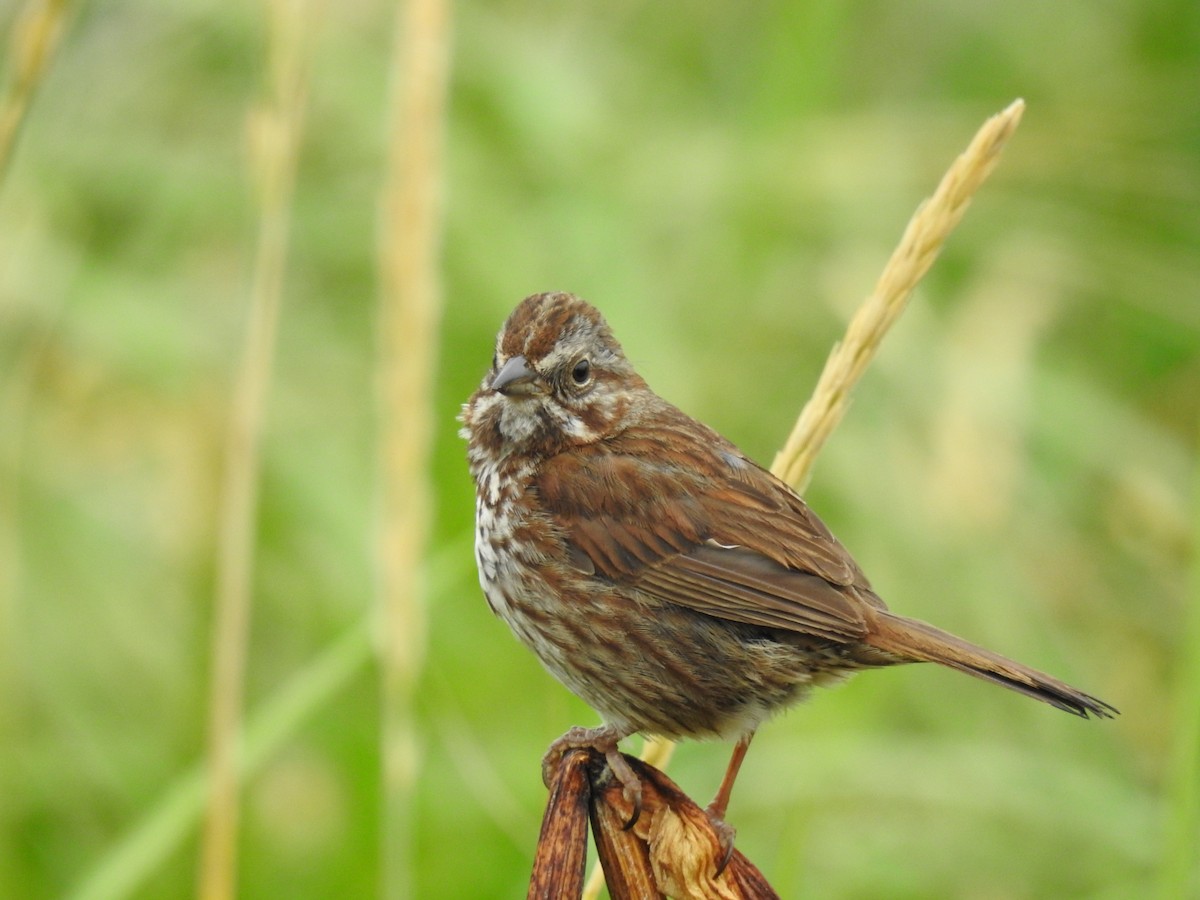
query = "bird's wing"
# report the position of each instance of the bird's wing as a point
(707, 529)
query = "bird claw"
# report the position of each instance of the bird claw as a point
(631, 785)
(725, 835)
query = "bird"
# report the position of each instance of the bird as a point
(675, 585)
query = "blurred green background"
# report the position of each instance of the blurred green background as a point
(725, 181)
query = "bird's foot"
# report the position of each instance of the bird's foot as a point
(602, 739)
(725, 835)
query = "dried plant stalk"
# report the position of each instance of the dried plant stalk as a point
(35, 38)
(657, 752)
(562, 845)
(410, 313)
(666, 848)
(275, 133)
(684, 850)
(927, 231)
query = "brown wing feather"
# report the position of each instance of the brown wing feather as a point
(733, 583)
(711, 531)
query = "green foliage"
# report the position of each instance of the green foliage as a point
(725, 181)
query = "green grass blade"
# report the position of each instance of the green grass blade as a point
(165, 825)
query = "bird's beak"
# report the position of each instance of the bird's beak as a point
(515, 377)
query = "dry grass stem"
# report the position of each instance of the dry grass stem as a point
(275, 132)
(927, 231)
(410, 315)
(35, 38)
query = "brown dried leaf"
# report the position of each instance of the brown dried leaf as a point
(676, 840)
(561, 860)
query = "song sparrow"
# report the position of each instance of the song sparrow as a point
(677, 587)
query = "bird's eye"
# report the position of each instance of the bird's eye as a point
(582, 372)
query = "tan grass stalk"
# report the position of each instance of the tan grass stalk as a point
(927, 231)
(410, 314)
(166, 823)
(275, 136)
(35, 36)
(919, 246)
(34, 40)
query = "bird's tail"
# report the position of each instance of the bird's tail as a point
(916, 641)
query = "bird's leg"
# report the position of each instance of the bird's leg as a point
(602, 739)
(720, 803)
